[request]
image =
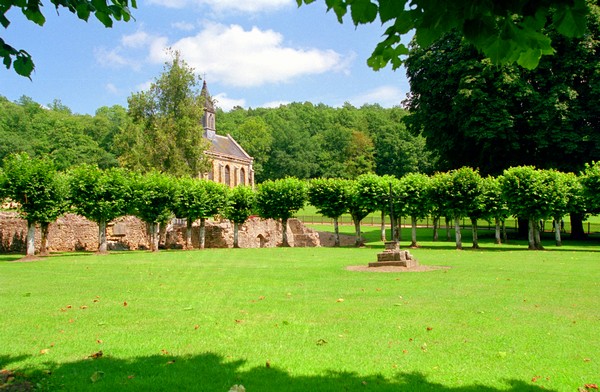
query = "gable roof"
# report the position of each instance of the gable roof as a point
(226, 145)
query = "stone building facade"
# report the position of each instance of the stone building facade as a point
(231, 165)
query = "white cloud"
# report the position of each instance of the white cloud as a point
(386, 96)
(111, 88)
(274, 104)
(136, 40)
(114, 59)
(249, 58)
(144, 86)
(225, 103)
(183, 26)
(228, 6)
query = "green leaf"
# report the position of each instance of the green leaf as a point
(530, 59)
(363, 11)
(23, 64)
(571, 21)
(104, 18)
(83, 11)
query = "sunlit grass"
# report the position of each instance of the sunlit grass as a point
(502, 318)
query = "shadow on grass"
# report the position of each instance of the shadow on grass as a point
(211, 372)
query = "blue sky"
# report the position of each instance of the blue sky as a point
(253, 53)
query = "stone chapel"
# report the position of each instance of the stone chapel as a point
(231, 165)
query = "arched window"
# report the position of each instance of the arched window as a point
(220, 174)
(242, 176)
(235, 176)
(227, 176)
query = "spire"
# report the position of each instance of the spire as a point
(208, 118)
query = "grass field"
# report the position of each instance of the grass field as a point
(500, 319)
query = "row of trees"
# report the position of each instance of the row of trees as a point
(102, 195)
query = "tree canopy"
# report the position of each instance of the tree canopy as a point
(505, 31)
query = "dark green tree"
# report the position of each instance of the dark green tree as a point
(414, 196)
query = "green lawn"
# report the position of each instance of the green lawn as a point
(502, 318)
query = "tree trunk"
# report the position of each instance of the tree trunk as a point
(474, 231)
(336, 230)
(285, 243)
(188, 233)
(202, 232)
(398, 233)
(153, 229)
(577, 232)
(504, 236)
(448, 237)
(102, 241)
(413, 233)
(537, 239)
(383, 238)
(498, 233)
(457, 233)
(557, 236)
(531, 234)
(44, 242)
(358, 242)
(436, 223)
(236, 229)
(30, 239)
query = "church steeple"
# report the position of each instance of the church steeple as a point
(208, 118)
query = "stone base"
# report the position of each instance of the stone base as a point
(393, 256)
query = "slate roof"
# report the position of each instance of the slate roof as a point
(226, 145)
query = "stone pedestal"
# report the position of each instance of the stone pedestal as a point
(393, 256)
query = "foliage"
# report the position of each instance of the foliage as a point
(153, 196)
(590, 180)
(105, 11)
(198, 198)
(99, 195)
(281, 199)
(241, 204)
(475, 113)
(42, 192)
(55, 133)
(330, 196)
(167, 130)
(413, 195)
(506, 32)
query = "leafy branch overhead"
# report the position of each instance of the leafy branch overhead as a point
(106, 11)
(505, 31)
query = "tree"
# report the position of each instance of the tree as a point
(167, 130)
(414, 196)
(506, 32)
(105, 11)
(281, 199)
(590, 180)
(528, 196)
(41, 192)
(241, 204)
(254, 136)
(331, 197)
(153, 195)
(475, 113)
(100, 196)
(494, 206)
(212, 201)
(462, 192)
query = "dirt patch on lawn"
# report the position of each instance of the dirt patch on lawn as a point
(419, 268)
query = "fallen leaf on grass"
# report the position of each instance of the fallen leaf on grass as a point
(587, 360)
(340, 300)
(171, 362)
(429, 328)
(124, 303)
(97, 376)
(131, 376)
(96, 355)
(237, 388)
(196, 326)
(99, 341)
(83, 307)
(239, 321)
(164, 352)
(591, 386)
(321, 342)
(44, 351)
(268, 364)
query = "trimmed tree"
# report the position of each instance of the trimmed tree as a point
(281, 199)
(590, 180)
(331, 197)
(438, 199)
(153, 197)
(241, 204)
(42, 194)
(414, 195)
(526, 194)
(100, 196)
(213, 202)
(462, 193)
(494, 206)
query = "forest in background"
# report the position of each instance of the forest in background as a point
(303, 140)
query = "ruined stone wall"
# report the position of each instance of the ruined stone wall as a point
(73, 232)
